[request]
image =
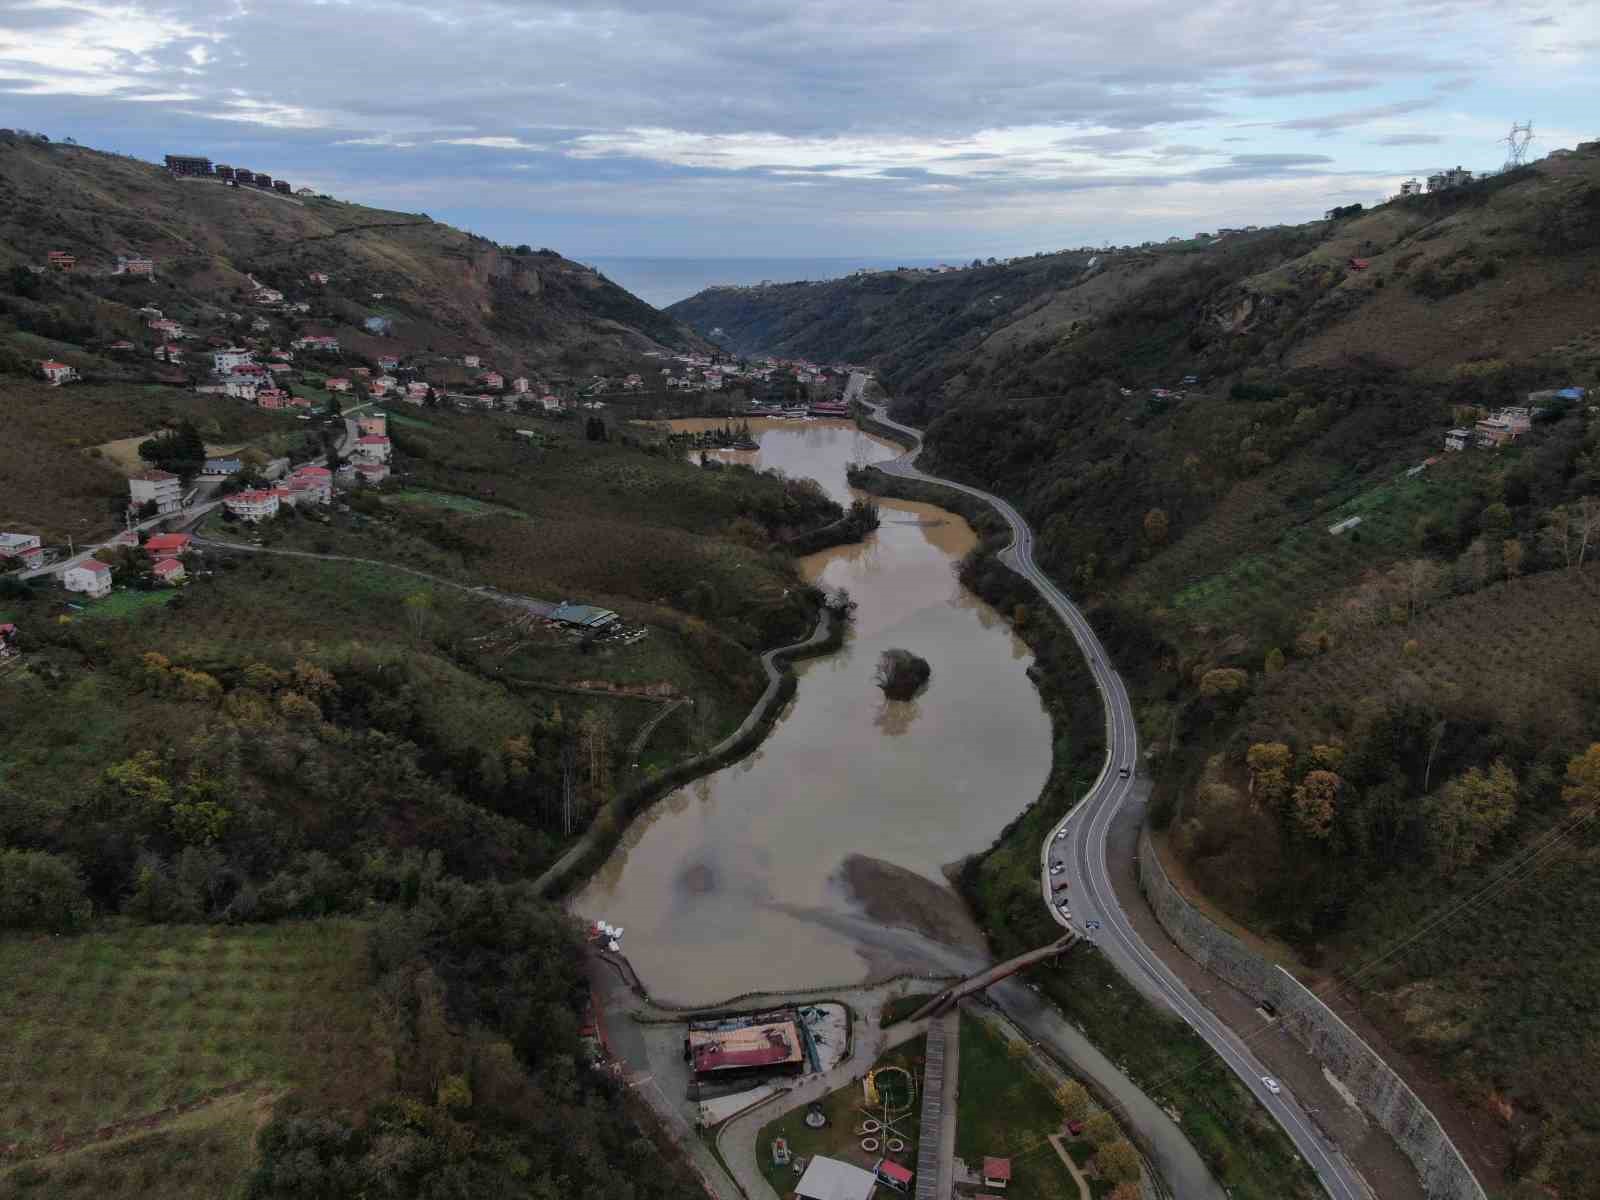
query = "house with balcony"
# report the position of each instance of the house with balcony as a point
(225, 361)
(21, 550)
(60, 260)
(167, 545)
(162, 487)
(1458, 439)
(373, 447)
(134, 266)
(1503, 427)
(336, 385)
(372, 472)
(90, 577)
(253, 504)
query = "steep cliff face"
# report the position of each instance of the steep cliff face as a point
(442, 288)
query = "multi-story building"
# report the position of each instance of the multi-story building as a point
(91, 577)
(163, 487)
(24, 548)
(254, 504)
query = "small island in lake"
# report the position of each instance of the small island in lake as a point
(901, 674)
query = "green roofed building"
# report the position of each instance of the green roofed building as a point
(585, 616)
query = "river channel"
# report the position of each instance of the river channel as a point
(737, 882)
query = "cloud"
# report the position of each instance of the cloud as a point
(490, 143)
(1409, 139)
(1329, 122)
(851, 121)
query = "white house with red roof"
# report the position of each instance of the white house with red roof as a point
(325, 343)
(24, 548)
(253, 504)
(520, 385)
(336, 385)
(374, 447)
(170, 353)
(168, 570)
(372, 472)
(57, 372)
(273, 398)
(319, 277)
(491, 379)
(91, 577)
(310, 485)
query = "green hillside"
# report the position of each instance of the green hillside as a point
(1348, 731)
(443, 290)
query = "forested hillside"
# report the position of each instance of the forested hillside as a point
(1363, 665)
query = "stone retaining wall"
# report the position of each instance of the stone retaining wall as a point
(1383, 1095)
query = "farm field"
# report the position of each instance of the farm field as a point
(108, 1035)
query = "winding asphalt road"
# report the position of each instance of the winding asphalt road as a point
(1078, 843)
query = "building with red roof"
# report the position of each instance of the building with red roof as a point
(166, 544)
(373, 446)
(997, 1173)
(91, 577)
(168, 570)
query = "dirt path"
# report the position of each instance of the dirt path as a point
(1078, 1176)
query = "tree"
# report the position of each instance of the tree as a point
(901, 674)
(1470, 812)
(1101, 1129)
(419, 608)
(1316, 800)
(1274, 661)
(1118, 1161)
(1269, 771)
(1156, 526)
(1073, 1098)
(1511, 554)
(335, 408)
(1582, 791)
(41, 891)
(1224, 686)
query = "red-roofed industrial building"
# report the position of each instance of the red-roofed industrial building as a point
(773, 1046)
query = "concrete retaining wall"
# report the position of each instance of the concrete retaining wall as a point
(1384, 1096)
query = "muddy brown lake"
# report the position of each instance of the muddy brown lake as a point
(737, 882)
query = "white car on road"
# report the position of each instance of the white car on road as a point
(1271, 1084)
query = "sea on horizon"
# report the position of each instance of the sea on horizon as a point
(664, 281)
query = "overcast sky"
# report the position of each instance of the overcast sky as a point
(814, 127)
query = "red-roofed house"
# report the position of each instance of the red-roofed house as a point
(374, 447)
(272, 398)
(373, 424)
(168, 570)
(372, 472)
(893, 1174)
(91, 577)
(164, 545)
(311, 485)
(60, 260)
(491, 379)
(997, 1173)
(57, 372)
(337, 385)
(256, 504)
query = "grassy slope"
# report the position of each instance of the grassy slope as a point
(1007, 1111)
(201, 1014)
(444, 289)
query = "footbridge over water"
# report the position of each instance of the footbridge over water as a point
(954, 994)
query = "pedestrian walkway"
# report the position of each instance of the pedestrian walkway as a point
(930, 1136)
(1078, 1176)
